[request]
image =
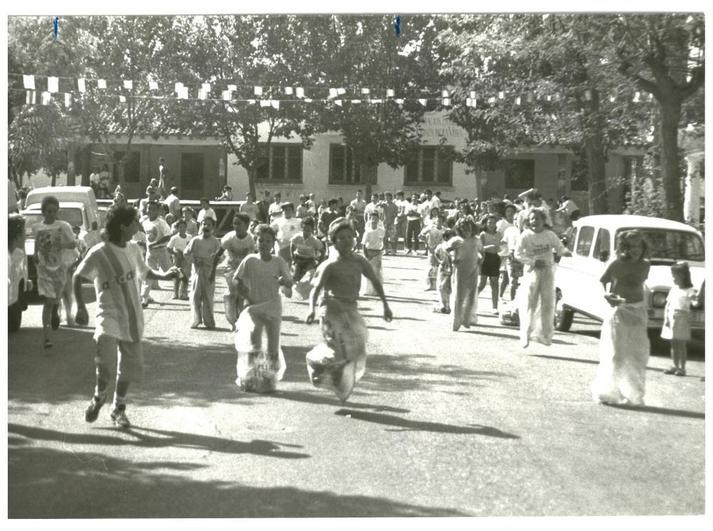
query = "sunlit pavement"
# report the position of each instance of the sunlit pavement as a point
(442, 424)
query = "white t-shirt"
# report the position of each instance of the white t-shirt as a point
(238, 248)
(206, 213)
(117, 273)
(533, 246)
(48, 244)
(261, 278)
(155, 230)
(373, 239)
(176, 243)
(286, 229)
(680, 299)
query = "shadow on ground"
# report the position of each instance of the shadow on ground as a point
(104, 487)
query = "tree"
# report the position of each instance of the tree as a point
(664, 55)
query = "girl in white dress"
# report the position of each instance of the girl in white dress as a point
(677, 317)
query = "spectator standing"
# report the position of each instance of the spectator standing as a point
(158, 234)
(173, 202)
(250, 208)
(275, 209)
(285, 228)
(391, 211)
(206, 212)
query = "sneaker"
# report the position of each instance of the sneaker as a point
(92, 411)
(680, 372)
(670, 370)
(118, 415)
(54, 320)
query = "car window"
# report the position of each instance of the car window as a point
(671, 245)
(571, 236)
(601, 246)
(584, 242)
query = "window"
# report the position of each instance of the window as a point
(571, 238)
(430, 165)
(192, 172)
(580, 175)
(672, 245)
(601, 246)
(520, 174)
(584, 243)
(283, 162)
(342, 168)
(131, 166)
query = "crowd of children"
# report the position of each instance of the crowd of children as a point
(503, 245)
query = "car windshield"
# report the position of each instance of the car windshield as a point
(670, 245)
(73, 216)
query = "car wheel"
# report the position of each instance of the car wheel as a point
(563, 316)
(14, 317)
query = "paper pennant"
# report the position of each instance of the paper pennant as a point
(46, 97)
(377, 101)
(122, 98)
(529, 97)
(444, 94)
(30, 97)
(226, 95)
(399, 101)
(637, 96)
(341, 91)
(128, 84)
(252, 102)
(651, 97)
(338, 102)
(232, 88)
(300, 92)
(178, 87)
(206, 87)
(264, 103)
(81, 85)
(275, 104)
(332, 93)
(101, 83)
(501, 95)
(389, 93)
(491, 99)
(468, 102)
(67, 100)
(183, 92)
(52, 84)
(356, 101)
(288, 91)
(365, 91)
(258, 91)
(202, 94)
(308, 100)
(517, 100)
(472, 94)
(588, 95)
(446, 102)
(612, 98)
(28, 82)
(153, 85)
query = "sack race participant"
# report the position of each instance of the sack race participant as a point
(373, 243)
(466, 250)
(340, 361)
(259, 277)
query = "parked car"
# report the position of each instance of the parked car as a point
(65, 195)
(592, 242)
(18, 285)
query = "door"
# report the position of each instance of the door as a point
(192, 176)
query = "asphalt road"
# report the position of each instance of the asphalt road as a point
(442, 424)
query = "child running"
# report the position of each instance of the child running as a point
(534, 249)
(373, 242)
(677, 317)
(467, 254)
(445, 270)
(176, 247)
(238, 243)
(340, 361)
(259, 277)
(306, 251)
(117, 268)
(490, 238)
(204, 253)
(52, 238)
(624, 343)
(432, 235)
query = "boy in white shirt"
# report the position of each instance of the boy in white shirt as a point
(286, 227)
(206, 211)
(176, 245)
(238, 243)
(203, 252)
(305, 249)
(116, 267)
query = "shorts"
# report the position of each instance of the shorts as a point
(491, 265)
(130, 357)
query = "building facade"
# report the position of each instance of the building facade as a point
(327, 170)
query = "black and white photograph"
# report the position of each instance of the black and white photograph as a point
(297, 262)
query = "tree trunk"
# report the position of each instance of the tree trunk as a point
(251, 182)
(596, 160)
(670, 174)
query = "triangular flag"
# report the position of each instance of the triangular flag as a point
(338, 102)
(529, 97)
(226, 95)
(399, 101)
(178, 87)
(264, 103)
(275, 104)
(258, 91)
(637, 95)
(376, 101)
(548, 98)
(422, 101)
(474, 103)
(468, 102)
(341, 91)
(588, 95)
(122, 99)
(29, 97)
(612, 98)
(251, 102)
(128, 84)
(356, 101)
(182, 92)
(365, 91)
(28, 82)
(206, 88)
(288, 91)
(517, 100)
(332, 93)
(444, 94)
(101, 83)
(389, 93)
(651, 97)
(81, 85)
(232, 88)
(308, 100)
(300, 92)
(46, 97)
(472, 94)
(153, 85)
(52, 84)
(491, 99)
(446, 102)
(202, 94)
(67, 100)
(501, 95)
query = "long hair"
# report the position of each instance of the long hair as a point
(681, 270)
(625, 238)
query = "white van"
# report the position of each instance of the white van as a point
(593, 242)
(68, 195)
